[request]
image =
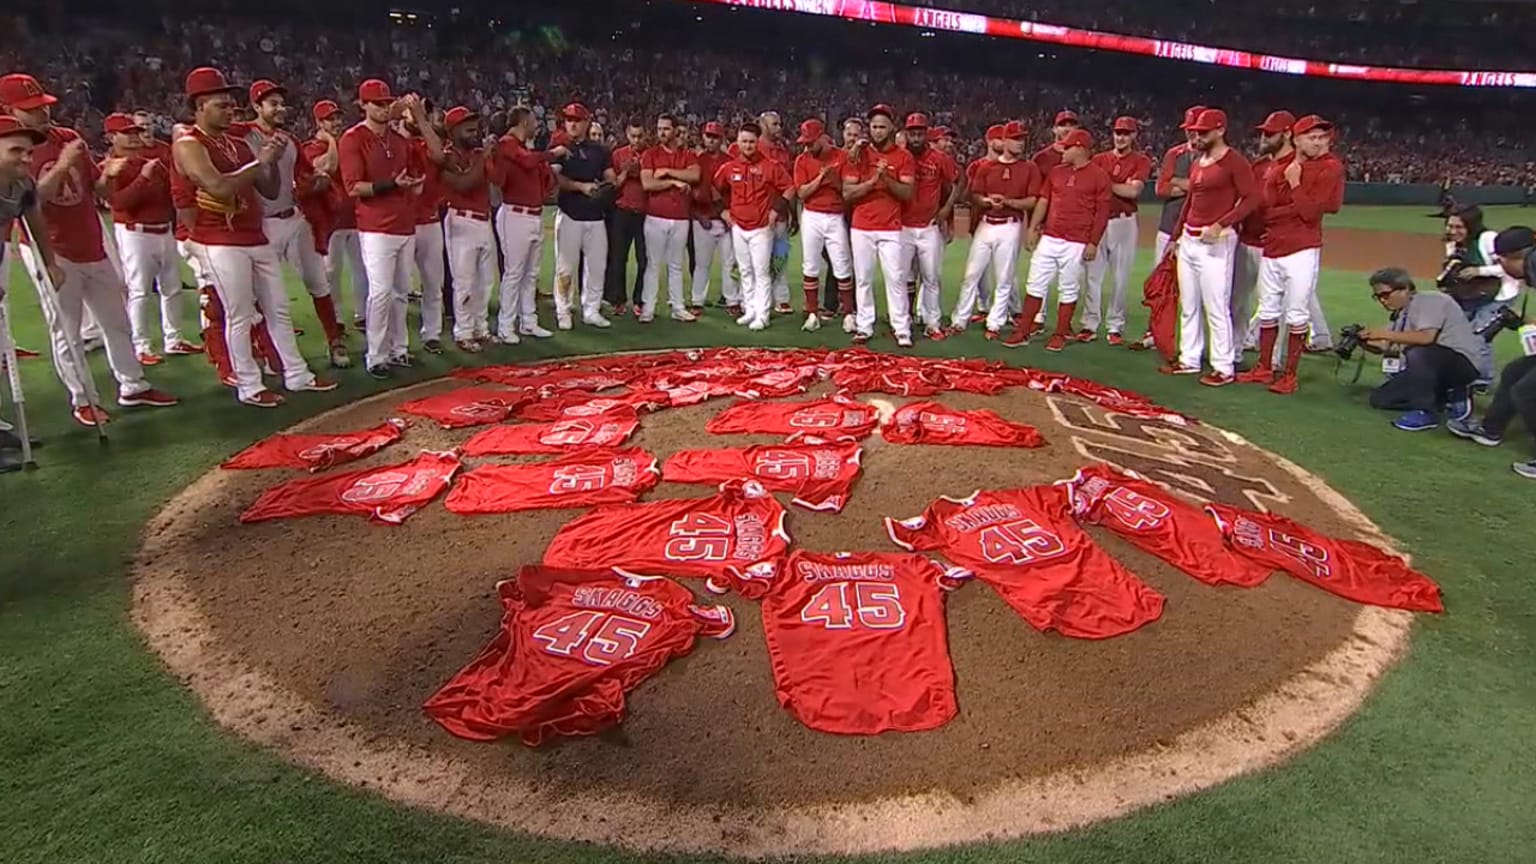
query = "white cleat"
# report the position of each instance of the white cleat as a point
(536, 331)
(849, 324)
(596, 320)
(563, 322)
(904, 340)
(812, 323)
(758, 324)
(746, 319)
(684, 316)
(508, 338)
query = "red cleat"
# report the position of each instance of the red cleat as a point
(1285, 385)
(1216, 379)
(1057, 343)
(1115, 339)
(26, 354)
(1257, 375)
(150, 398)
(183, 348)
(264, 399)
(1176, 369)
(320, 385)
(1086, 336)
(148, 359)
(993, 335)
(1017, 339)
(85, 415)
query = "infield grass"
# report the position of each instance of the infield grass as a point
(105, 758)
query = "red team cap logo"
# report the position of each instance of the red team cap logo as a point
(1309, 123)
(374, 90)
(262, 89)
(1013, 130)
(119, 123)
(326, 109)
(810, 131)
(714, 128)
(207, 81)
(881, 109)
(997, 132)
(1066, 118)
(917, 120)
(1127, 124)
(1210, 118)
(1077, 138)
(11, 126)
(576, 111)
(942, 132)
(1277, 122)
(1191, 114)
(21, 91)
(458, 114)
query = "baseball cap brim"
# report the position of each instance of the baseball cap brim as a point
(32, 103)
(25, 131)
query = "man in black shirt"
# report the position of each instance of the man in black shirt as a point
(586, 184)
(1515, 249)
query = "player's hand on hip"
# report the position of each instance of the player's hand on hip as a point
(1211, 233)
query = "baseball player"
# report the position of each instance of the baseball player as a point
(586, 175)
(1128, 170)
(383, 174)
(287, 231)
(341, 245)
(995, 144)
(1222, 193)
(1299, 189)
(1274, 145)
(467, 230)
(227, 226)
(1064, 234)
(138, 189)
(1002, 191)
(754, 187)
(668, 172)
(1173, 182)
(924, 218)
(628, 222)
(773, 146)
(65, 180)
(1049, 156)
(711, 236)
(819, 186)
(525, 179)
(877, 179)
(427, 143)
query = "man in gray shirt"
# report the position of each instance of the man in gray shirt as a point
(1430, 353)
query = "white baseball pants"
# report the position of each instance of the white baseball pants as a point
(887, 248)
(824, 231)
(1117, 253)
(248, 278)
(294, 243)
(995, 244)
(192, 254)
(472, 261)
(522, 252)
(429, 266)
(1288, 288)
(387, 260)
(149, 259)
(1056, 260)
(1205, 290)
(573, 239)
(1245, 294)
(708, 243)
(94, 286)
(666, 244)
(345, 249)
(1159, 246)
(754, 253)
(928, 243)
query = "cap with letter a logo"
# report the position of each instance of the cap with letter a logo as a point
(374, 90)
(1209, 119)
(207, 81)
(810, 131)
(1191, 114)
(22, 92)
(1126, 124)
(262, 89)
(1277, 122)
(458, 114)
(996, 132)
(120, 123)
(1066, 118)
(326, 109)
(714, 128)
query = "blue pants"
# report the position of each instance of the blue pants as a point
(1480, 314)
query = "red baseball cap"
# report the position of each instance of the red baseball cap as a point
(1309, 123)
(810, 130)
(996, 132)
(1191, 114)
(116, 123)
(458, 114)
(1210, 118)
(207, 81)
(1014, 130)
(11, 126)
(575, 111)
(941, 132)
(917, 120)
(21, 91)
(374, 90)
(1077, 138)
(1065, 117)
(880, 108)
(713, 127)
(325, 108)
(1277, 122)
(264, 88)
(1127, 124)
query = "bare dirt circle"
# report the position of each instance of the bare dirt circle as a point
(321, 637)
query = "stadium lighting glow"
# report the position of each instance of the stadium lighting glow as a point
(884, 12)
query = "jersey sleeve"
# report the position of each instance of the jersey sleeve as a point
(350, 156)
(914, 534)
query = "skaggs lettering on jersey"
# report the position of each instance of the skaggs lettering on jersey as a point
(980, 516)
(617, 598)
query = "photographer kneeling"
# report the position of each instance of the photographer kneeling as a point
(1473, 276)
(1429, 353)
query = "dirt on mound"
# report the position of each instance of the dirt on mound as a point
(364, 622)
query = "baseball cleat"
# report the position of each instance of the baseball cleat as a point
(1057, 343)
(1284, 385)
(85, 415)
(812, 323)
(380, 372)
(936, 334)
(1086, 336)
(535, 331)
(403, 361)
(860, 338)
(697, 309)
(644, 316)
(1216, 379)
(850, 324)
(733, 310)
(264, 399)
(684, 316)
(597, 321)
(26, 353)
(468, 346)
(509, 338)
(318, 385)
(148, 359)
(563, 322)
(150, 398)
(783, 309)
(745, 319)
(432, 346)
(1176, 369)
(1257, 375)
(1017, 339)
(993, 335)
(757, 325)
(340, 359)
(182, 347)
(1115, 340)
(904, 340)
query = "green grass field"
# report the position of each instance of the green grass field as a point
(105, 758)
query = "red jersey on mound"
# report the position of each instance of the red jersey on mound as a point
(467, 406)
(387, 495)
(820, 475)
(736, 537)
(583, 479)
(858, 642)
(1159, 522)
(834, 417)
(580, 403)
(571, 644)
(316, 452)
(897, 381)
(609, 429)
(1351, 569)
(933, 423)
(1024, 543)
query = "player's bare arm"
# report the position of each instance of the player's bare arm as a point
(329, 161)
(417, 107)
(463, 178)
(650, 182)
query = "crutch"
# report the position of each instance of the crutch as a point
(13, 375)
(50, 300)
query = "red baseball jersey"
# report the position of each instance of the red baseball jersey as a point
(777, 383)
(1293, 218)
(1159, 522)
(387, 495)
(571, 644)
(1351, 569)
(137, 198)
(584, 479)
(879, 210)
(316, 452)
(74, 229)
(831, 417)
(1222, 192)
(819, 474)
(579, 403)
(631, 194)
(858, 642)
(1025, 544)
(671, 203)
(933, 423)
(936, 175)
(1013, 180)
(734, 538)
(468, 406)
(365, 156)
(706, 198)
(609, 429)
(752, 187)
(1250, 231)
(1078, 203)
(898, 381)
(828, 197)
(1046, 158)
(1124, 168)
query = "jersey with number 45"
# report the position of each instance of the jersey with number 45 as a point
(1026, 546)
(820, 475)
(735, 538)
(582, 479)
(858, 642)
(571, 644)
(831, 418)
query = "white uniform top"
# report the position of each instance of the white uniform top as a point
(285, 169)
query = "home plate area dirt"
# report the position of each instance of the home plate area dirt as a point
(346, 627)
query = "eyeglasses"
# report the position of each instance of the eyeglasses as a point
(1381, 296)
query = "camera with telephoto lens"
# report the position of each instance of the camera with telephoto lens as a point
(1505, 319)
(1448, 278)
(1349, 339)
